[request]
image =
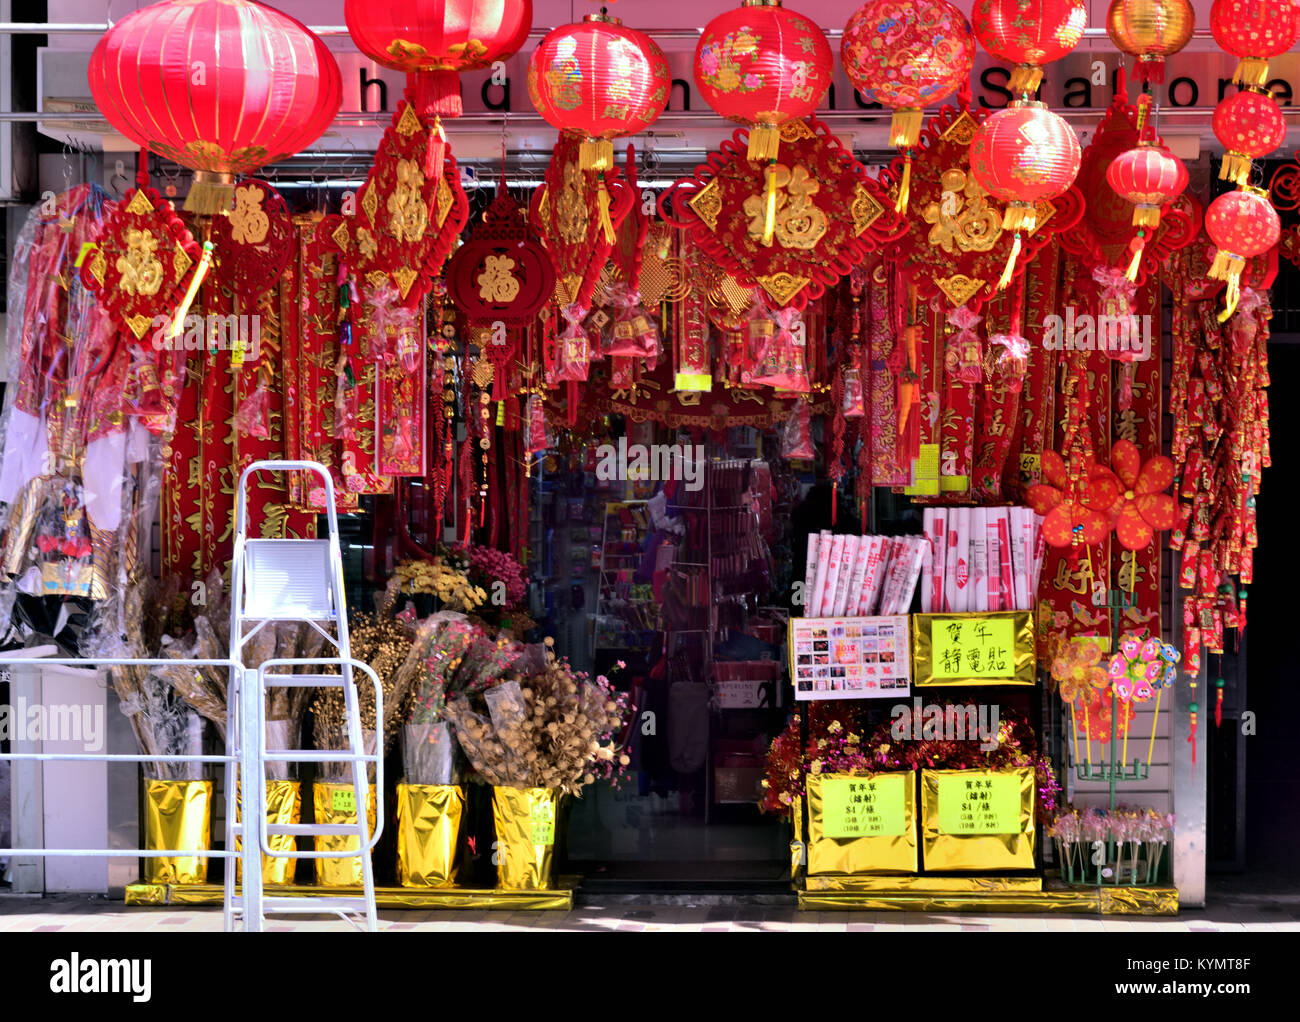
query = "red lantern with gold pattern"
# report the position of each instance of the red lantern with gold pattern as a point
(1029, 33)
(1150, 30)
(598, 80)
(762, 65)
(1250, 125)
(220, 86)
(1243, 224)
(1254, 31)
(1149, 176)
(1024, 155)
(436, 40)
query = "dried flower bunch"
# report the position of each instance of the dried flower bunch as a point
(546, 726)
(450, 584)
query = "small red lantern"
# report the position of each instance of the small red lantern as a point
(1254, 31)
(1250, 125)
(1150, 30)
(1243, 224)
(1149, 176)
(1024, 155)
(220, 86)
(1029, 33)
(436, 40)
(907, 54)
(762, 65)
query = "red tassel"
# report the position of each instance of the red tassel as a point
(435, 93)
(433, 154)
(835, 501)
(1218, 709)
(142, 168)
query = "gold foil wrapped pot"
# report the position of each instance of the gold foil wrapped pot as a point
(177, 816)
(428, 830)
(525, 822)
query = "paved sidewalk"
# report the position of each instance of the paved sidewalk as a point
(69, 914)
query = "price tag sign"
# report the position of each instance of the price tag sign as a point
(974, 647)
(864, 806)
(343, 800)
(981, 804)
(544, 823)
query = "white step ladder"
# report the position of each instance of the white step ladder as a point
(299, 580)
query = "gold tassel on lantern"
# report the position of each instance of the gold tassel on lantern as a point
(1228, 267)
(769, 215)
(602, 209)
(764, 143)
(1019, 216)
(210, 193)
(596, 154)
(1146, 216)
(905, 128)
(1025, 80)
(1009, 270)
(1137, 246)
(196, 281)
(1235, 168)
(1251, 71)
(905, 184)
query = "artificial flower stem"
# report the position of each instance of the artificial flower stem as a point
(1155, 722)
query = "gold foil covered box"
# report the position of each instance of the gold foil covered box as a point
(862, 824)
(977, 819)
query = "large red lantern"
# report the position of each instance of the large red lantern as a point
(1243, 224)
(906, 55)
(1250, 125)
(598, 80)
(1024, 155)
(1149, 176)
(762, 65)
(1150, 30)
(1254, 31)
(1029, 33)
(220, 86)
(436, 40)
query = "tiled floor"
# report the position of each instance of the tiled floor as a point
(1235, 913)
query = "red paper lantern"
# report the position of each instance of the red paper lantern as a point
(1254, 31)
(1024, 155)
(1243, 224)
(1029, 33)
(1149, 176)
(907, 55)
(1150, 30)
(436, 40)
(220, 86)
(598, 80)
(762, 65)
(1250, 125)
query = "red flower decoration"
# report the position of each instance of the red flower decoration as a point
(1142, 508)
(1086, 517)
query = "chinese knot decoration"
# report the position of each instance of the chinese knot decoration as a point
(1029, 33)
(907, 55)
(245, 104)
(1150, 30)
(436, 40)
(1254, 31)
(1250, 125)
(762, 65)
(502, 273)
(598, 80)
(1242, 224)
(1023, 155)
(1150, 177)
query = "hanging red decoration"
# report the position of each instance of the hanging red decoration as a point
(1142, 509)
(255, 86)
(1242, 224)
(1023, 155)
(502, 273)
(1250, 125)
(762, 65)
(255, 242)
(1150, 30)
(1254, 31)
(1150, 177)
(1029, 33)
(437, 40)
(907, 55)
(1070, 522)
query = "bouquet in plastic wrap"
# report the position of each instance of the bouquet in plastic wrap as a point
(542, 726)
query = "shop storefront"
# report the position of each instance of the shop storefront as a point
(800, 456)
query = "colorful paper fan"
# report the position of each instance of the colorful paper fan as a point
(1087, 517)
(1077, 668)
(1141, 667)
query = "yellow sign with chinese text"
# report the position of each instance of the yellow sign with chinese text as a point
(974, 647)
(979, 803)
(864, 806)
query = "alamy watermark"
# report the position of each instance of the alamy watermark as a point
(1085, 332)
(210, 332)
(658, 462)
(932, 722)
(57, 722)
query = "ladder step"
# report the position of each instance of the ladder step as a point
(307, 904)
(316, 756)
(305, 680)
(313, 830)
